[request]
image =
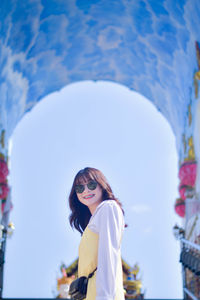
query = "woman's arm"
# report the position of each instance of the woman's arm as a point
(110, 226)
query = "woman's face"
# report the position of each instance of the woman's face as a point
(90, 197)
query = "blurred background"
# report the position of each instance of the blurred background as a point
(107, 126)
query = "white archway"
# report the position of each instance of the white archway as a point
(125, 137)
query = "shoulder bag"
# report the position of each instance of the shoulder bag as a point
(78, 287)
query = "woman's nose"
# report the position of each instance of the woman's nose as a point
(86, 190)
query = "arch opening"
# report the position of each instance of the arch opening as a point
(104, 125)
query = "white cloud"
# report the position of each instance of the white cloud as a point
(140, 208)
(147, 230)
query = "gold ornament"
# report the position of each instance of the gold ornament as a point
(191, 152)
(63, 286)
(135, 270)
(10, 228)
(2, 156)
(132, 288)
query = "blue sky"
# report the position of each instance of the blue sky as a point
(106, 126)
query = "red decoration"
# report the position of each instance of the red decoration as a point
(182, 190)
(180, 207)
(4, 190)
(187, 173)
(3, 170)
(3, 202)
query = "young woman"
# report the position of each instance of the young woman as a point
(98, 216)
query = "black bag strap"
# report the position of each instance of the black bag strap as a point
(91, 274)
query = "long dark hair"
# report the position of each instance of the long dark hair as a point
(80, 213)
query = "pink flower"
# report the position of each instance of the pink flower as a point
(187, 173)
(3, 170)
(4, 190)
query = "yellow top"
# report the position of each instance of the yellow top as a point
(88, 258)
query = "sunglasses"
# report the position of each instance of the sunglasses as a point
(79, 188)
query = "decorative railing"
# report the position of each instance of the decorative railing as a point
(190, 260)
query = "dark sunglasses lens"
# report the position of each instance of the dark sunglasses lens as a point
(79, 188)
(92, 185)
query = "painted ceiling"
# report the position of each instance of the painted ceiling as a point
(146, 45)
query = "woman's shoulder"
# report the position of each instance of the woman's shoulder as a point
(107, 210)
(107, 205)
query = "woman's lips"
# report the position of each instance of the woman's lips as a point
(88, 196)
